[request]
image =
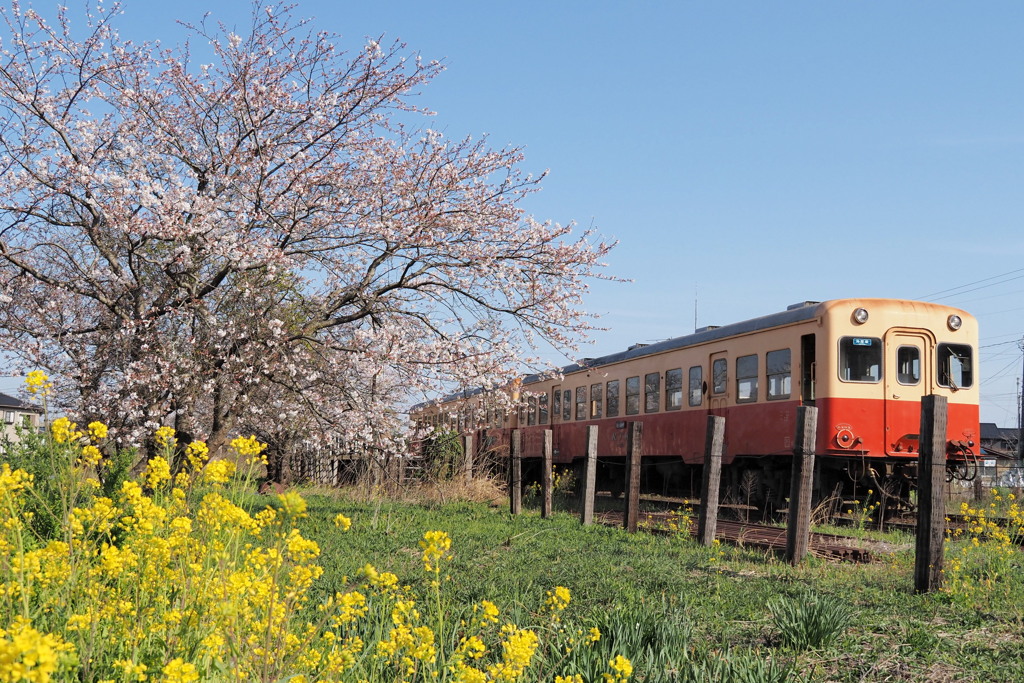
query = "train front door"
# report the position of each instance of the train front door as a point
(908, 377)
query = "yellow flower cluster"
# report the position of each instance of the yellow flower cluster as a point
(12, 481)
(219, 472)
(197, 453)
(980, 552)
(436, 546)
(250, 448)
(158, 471)
(146, 579)
(621, 668)
(173, 580)
(97, 430)
(557, 599)
(164, 437)
(517, 650)
(37, 383)
(64, 430)
(28, 655)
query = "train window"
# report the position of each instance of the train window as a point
(632, 395)
(556, 407)
(581, 403)
(612, 398)
(778, 367)
(860, 359)
(652, 392)
(956, 368)
(542, 409)
(696, 385)
(531, 411)
(596, 401)
(719, 375)
(567, 405)
(746, 379)
(908, 365)
(674, 389)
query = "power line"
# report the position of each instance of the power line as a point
(938, 298)
(971, 284)
(988, 346)
(1000, 372)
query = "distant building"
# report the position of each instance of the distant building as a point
(998, 441)
(16, 412)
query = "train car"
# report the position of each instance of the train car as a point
(864, 363)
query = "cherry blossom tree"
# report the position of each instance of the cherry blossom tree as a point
(269, 237)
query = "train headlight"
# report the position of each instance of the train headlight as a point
(954, 322)
(860, 316)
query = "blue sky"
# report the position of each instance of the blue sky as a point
(746, 155)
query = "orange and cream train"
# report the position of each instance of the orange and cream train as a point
(864, 363)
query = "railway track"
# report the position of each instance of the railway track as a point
(829, 546)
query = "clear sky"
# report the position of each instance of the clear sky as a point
(747, 155)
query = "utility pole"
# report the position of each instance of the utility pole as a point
(1020, 415)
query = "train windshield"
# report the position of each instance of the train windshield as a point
(860, 359)
(956, 367)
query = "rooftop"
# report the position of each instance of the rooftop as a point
(8, 402)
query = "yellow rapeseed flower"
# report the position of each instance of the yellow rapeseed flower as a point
(64, 430)
(518, 649)
(621, 668)
(435, 546)
(472, 647)
(179, 671)
(219, 471)
(557, 599)
(488, 612)
(130, 670)
(158, 470)
(28, 655)
(13, 481)
(164, 437)
(197, 453)
(38, 383)
(293, 505)
(97, 430)
(342, 522)
(250, 448)
(90, 456)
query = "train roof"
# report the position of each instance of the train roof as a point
(799, 312)
(796, 313)
(805, 310)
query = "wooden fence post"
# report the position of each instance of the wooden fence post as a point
(546, 479)
(589, 478)
(931, 502)
(634, 448)
(515, 473)
(711, 477)
(798, 526)
(468, 461)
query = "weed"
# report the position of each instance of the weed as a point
(862, 513)
(733, 666)
(809, 621)
(982, 554)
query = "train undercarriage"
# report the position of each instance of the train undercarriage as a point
(758, 487)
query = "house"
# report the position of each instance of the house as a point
(16, 413)
(998, 441)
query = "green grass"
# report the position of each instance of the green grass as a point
(683, 612)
